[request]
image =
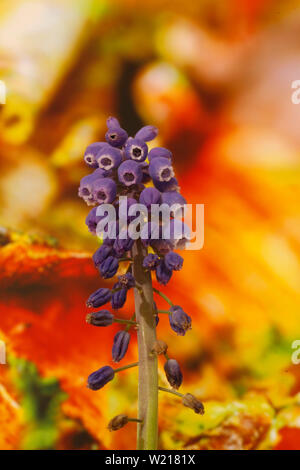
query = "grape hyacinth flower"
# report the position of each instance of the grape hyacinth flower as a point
(122, 166)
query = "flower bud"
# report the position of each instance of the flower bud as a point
(91, 152)
(101, 377)
(173, 373)
(118, 298)
(163, 274)
(115, 135)
(147, 133)
(135, 149)
(159, 152)
(104, 190)
(159, 347)
(102, 318)
(109, 267)
(101, 254)
(151, 261)
(117, 422)
(99, 298)
(130, 172)
(150, 196)
(120, 345)
(192, 402)
(180, 322)
(161, 170)
(109, 158)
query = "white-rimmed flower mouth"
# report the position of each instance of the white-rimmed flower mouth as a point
(136, 152)
(89, 158)
(166, 173)
(105, 162)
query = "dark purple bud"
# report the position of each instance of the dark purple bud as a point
(173, 261)
(147, 133)
(173, 373)
(130, 172)
(115, 136)
(135, 149)
(92, 220)
(151, 261)
(159, 152)
(118, 298)
(102, 318)
(173, 198)
(101, 254)
(163, 186)
(161, 170)
(104, 190)
(109, 267)
(180, 322)
(101, 377)
(99, 298)
(150, 196)
(91, 152)
(127, 280)
(109, 158)
(122, 245)
(120, 346)
(163, 274)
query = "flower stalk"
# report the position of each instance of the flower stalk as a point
(148, 378)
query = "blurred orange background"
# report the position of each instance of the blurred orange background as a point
(216, 78)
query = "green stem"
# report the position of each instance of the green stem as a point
(134, 364)
(120, 320)
(163, 389)
(164, 311)
(148, 380)
(163, 296)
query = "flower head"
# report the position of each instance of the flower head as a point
(109, 157)
(120, 345)
(118, 298)
(161, 170)
(151, 261)
(104, 190)
(180, 322)
(101, 377)
(115, 135)
(136, 149)
(99, 297)
(102, 318)
(150, 196)
(163, 274)
(159, 152)
(109, 267)
(173, 261)
(173, 373)
(147, 133)
(91, 152)
(130, 172)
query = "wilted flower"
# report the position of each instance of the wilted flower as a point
(180, 322)
(101, 254)
(122, 245)
(99, 298)
(102, 318)
(127, 280)
(130, 172)
(159, 347)
(101, 377)
(192, 402)
(173, 261)
(117, 422)
(151, 261)
(120, 345)
(173, 373)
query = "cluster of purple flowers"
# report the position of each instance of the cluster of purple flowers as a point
(123, 166)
